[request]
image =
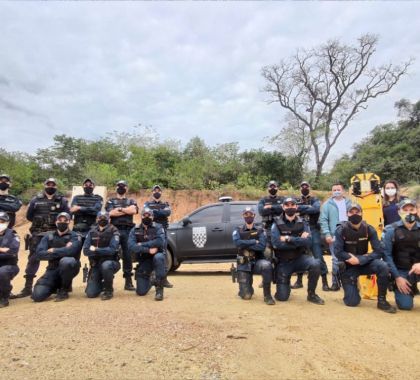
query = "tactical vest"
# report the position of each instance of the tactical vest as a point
(406, 247)
(82, 220)
(296, 229)
(356, 242)
(163, 220)
(143, 235)
(7, 200)
(5, 241)
(45, 213)
(247, 235)
(123, 220)
(268, 219)
(312, 219)
(57, 241)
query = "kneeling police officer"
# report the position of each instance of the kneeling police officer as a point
(101, 247)
(351, 247)
(251, 242)
(61, 249)
(291, 238)
(146, 245)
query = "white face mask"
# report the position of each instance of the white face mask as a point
(390, 192)
(3, 226)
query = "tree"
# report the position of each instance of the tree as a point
(324, 88)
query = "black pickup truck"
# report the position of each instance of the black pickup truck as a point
(205, 235)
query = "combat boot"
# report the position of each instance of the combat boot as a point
(298, 284)
(129, 284)
(107, 295)
(62, 295)
(27, 289)
(314, 298)
(385, 306)
(325, 286)
(4, 302)
(335, 286)
(159, 292)
(268, 299)
(166, 283)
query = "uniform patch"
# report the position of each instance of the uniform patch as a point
(199, 236)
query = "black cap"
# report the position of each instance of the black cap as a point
(273, 183)
(4, 216)
(406, 202)
(304, 183)
(89, 180)
(289, 200)
(121, 183)
(51, 179)
(147, 210)
(248, 210)
(354, 205)
(63, 214)
(5, 176)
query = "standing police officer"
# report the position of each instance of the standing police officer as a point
(402, 252)
(161, 212)
(146, 243)
(8, 203)
(9, 248)
(121, 210)
(309, 209)
(251, 243)
(101, 247)
(269, 207)
(42, 212)
(351, 246)
(61, 249)
(85, 208)
(291, 238)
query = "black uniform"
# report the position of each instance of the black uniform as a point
(85, 218)
(11, 205)
(8, 263)
(268, 214)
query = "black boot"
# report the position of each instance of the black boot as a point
(415, 289)
(335, 287)
(62, 295)
(384, 305)
(4, 302)
(159, 292)
(166, 283)
(268, 299)
(314, 298)
(107, 295)
(129, 284)
(298, 284)
(27, 289)
(325, 286)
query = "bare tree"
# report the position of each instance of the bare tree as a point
(324, 88)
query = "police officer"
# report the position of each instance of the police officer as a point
(269, 207)
(146, 244)
(309, 209)
(61, 249)
(42, 212)
(351, 247)
(8, 203)
(121, 210)
(291, 238)
(85, 208)
(161, 212)
(402, 252)
(101, 247)
(9, 248)
(251, 243)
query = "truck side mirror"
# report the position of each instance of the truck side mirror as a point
(186, 221)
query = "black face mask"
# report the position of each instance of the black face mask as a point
(290, 211)
(50, 190)
(88, 190)
(411, 218)
(272, 191)
(305, 192)
(4, 186)
(147, 221)
(157, 195)
(102, 222)
(355, 219)
(121, 190)
(249, 219)
(62, 226)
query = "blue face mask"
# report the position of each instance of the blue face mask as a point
(337, 193)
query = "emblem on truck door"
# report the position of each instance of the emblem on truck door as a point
(199, 236)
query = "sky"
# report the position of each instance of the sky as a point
(186, 68)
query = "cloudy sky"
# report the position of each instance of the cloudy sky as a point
(187, 69)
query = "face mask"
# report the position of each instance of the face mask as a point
(88, 190)
(147, 221)
(272, 191)
(121, 190)
(102, 222)
(407, 217)
(157, 195)
(50, 190)
(4, 186)
(390, 192)
(249, 219)
(3, 226)
(290, 211)
(305, 192)
(62, 226)
(337, 193)
(355, 219)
